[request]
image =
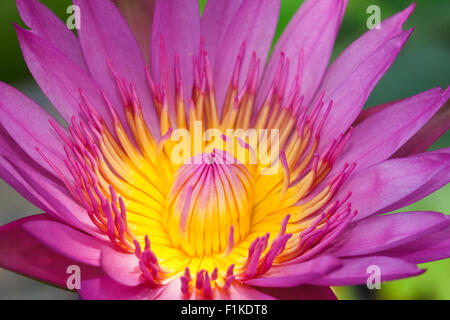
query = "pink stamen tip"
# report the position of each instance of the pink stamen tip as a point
(111, 109)
(278, 70)
(230, 245)
(134, 97)
(316, 107)
(314, 114)
(203, 84)
(236, 103)
(113, 194)
(228, 282)
(242, 49)
(283, 82)
(284, 225)
(225, 138)
(121, 228)
(251, 67)
(297, 106)
(270, 94)
(266, 240)
(243, 92)
(230, 271)
(236, 72)
(342, 144)
(214, 274)
(207, 290)
(123, 208)
(199, 280)
(324, 118)
(147, 243)
(255, 78)
(301, 122)
(285, 165)
(208, 72)
(191, 104)
(252, 246)
(196, 72)
(110, 221)
(165, 137)
(293, 92)
(111, 68)
(62, 135)
(89, 106)
(254, 258)
(184, 285)
(187, 274)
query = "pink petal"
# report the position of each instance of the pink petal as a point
(60, 78)
(11, 153)
(431, 247)
(106, 37)
(214, 23)
(350, 95)
(365, 46)
(47, 195)
(104, 288)
(433, 183)
(296, 274)
(15, 180)
(429, 134)
(139, 16)
(367, 113)
(422, 139)
(67, 241)
(172, 291)
(380, 233)
(28, 125)
(48, 26)
(304, 292)
(237, 291)
(242, 292)
(254, 23)
(10, 156)
(178, 21)
(121, 267)
(313, 29)
(379, 136)
(352, 76)
(22, 253)
(357, 271)
(395, 183)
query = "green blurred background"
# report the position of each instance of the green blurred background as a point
(422, 64)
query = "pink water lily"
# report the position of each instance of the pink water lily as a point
(140, 225)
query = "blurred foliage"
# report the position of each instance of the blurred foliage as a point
(422, 64)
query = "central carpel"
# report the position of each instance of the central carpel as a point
(209, 205)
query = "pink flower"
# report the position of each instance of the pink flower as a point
(141, 225)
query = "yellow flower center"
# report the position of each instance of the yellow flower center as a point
(223, 205)
(206, 199)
